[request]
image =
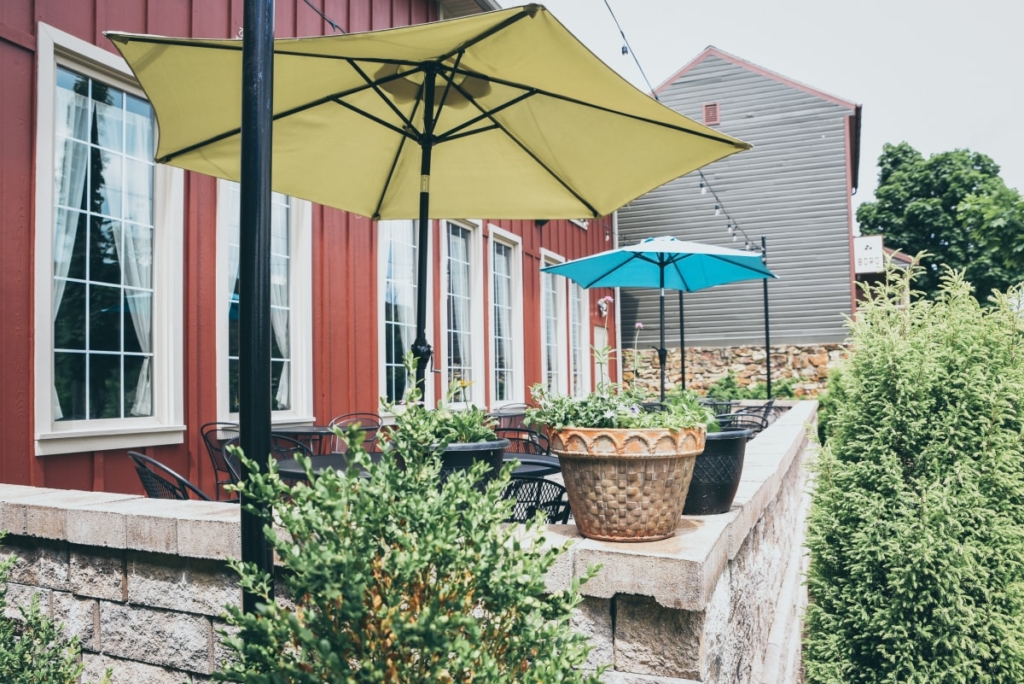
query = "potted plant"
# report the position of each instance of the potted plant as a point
(626, 469)
(459, 437)
(716, 473)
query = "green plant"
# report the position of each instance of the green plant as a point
(728, 387)
(917, 525)
(396, 578)
(614, 407)
(34, 650)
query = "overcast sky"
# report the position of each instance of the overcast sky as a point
(938, 74)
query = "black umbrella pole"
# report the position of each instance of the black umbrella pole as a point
(420, 346)
(682, 342)
(254, 411)
(767, 327)
(662, 352)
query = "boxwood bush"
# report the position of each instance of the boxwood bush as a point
(393, 577)
(917, 525)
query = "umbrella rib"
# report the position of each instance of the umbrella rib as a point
(375, 119)
(611, 270)
(333, 97)
(528, 11)
(376, 88)
(686, 286)
(729, 261)
(451, 134)
(457, 136)
(394, 165)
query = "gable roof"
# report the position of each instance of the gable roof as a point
(855, 117)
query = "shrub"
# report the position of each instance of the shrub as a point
(729, 388)
(33, 650)
(396, 578)
(917, 525)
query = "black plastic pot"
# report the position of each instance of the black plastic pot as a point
(462, 456)
(716, 474)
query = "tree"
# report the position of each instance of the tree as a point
(954, 206)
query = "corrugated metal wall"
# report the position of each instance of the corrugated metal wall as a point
(792, 187)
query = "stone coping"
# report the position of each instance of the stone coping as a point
(680, 572)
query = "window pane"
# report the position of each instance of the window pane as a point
(108, 120)
(137, 315)
(502, 317)
(69, 383)
(69, 244)
(460, 353)
(69, 325)
(138, 128)
(104, 386)
(233, 390)
(104, 318)
(105, 183)
(398, 238)
(138, 397)
(281, 400)
(138, 191)
(104, 236)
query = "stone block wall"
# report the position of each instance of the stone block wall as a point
(807, 365)
(142, 583)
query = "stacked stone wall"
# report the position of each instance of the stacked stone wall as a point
(808, 366)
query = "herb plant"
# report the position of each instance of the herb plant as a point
(615, 407)
(917, 524)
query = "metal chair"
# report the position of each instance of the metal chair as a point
(509, 415)
(216, 436)
(525, 433)
(369, 423)
(160, 482)
(766, 410)
(532, 494)
(737, 421)
(717, 405)
(531, 450)
(282, 447)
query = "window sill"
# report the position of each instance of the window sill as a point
(83, 439)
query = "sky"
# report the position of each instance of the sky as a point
(937, 74)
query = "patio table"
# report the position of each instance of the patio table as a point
(291, 469)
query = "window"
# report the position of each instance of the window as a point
(398, 269)
(463, 341)
(553, 329)
(507, 384)
(579, 363)
(107, 322)
(290, 309)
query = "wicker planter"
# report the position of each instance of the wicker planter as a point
(716, 475)
(627, 485)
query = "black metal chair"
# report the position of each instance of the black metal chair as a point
(739, 421)
(764, 410)
(369, 423)
(282, 448)
(216, 436)
(717, 405)
(532, 494)
(509, 415)
(160, 482)
(531, 450)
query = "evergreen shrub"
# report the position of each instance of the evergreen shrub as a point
(393, 577)
(917, 524)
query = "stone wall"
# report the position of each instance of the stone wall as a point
(142, 583)
(808, 365)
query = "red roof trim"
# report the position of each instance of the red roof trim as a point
(750, 66)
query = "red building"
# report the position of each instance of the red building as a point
(118, 276)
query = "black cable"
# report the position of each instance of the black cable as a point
(337, 29)
(630, 48)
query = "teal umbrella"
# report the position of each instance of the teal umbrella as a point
(665, 263)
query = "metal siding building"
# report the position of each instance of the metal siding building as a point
(793, 187)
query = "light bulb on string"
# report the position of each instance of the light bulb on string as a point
(703, 188)
(718, 210)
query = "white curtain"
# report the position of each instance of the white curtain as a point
(459, 288)
(71, 165)
(135, 252)
(279, 314)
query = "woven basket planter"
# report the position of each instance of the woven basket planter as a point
(627, 485)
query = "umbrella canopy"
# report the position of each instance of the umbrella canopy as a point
(498, 115)
(526, 122)
(665, 262)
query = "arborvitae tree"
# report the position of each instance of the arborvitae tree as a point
(917, 525)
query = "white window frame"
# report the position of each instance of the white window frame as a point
(549, 258)
(166, 426)
(382, 272)
(476, 315)
(583, 311)
(518, 358)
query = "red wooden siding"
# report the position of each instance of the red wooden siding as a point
(344, 246)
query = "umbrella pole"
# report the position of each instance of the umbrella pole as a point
(682, 341)
(767, 327)
(662, 352)
(421, 347)
(254, 410)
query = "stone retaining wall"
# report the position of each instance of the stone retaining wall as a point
(808, 365)
(142, 583)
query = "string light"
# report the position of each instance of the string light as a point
(703, 188)
(732, 226)
(718, 210)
